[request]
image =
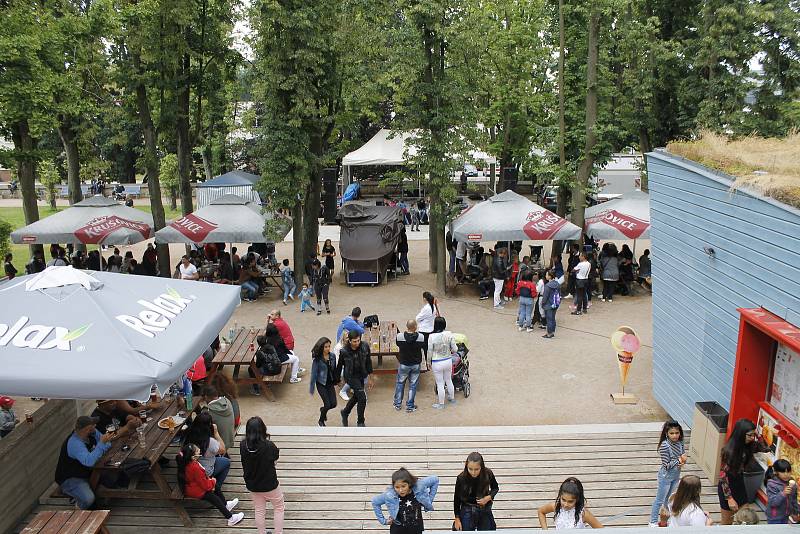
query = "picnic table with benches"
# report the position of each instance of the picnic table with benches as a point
(382, 341)
(68, 522)
(157, 440)
(241, 352)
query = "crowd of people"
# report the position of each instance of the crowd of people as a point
(500, 274)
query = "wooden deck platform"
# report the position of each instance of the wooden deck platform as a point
(329, 476)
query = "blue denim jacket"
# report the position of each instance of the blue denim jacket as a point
(424, 490)
(319, 373)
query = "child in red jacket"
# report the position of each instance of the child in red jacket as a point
(197, 485)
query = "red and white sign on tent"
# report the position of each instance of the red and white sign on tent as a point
(98, 229)
(542, 225)
(629, 226)
(193, 227)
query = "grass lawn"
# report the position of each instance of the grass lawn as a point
(17, 219)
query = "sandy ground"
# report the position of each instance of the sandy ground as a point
(517, 378)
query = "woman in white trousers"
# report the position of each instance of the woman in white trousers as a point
(441, 348)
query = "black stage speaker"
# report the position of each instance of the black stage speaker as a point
(330, 181)
(510, 175)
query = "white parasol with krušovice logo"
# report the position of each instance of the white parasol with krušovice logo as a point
(71, 334)
(95, 220)
(509, 216)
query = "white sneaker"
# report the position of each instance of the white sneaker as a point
(230, 505)
(652, 525)
(291, 296)
(235, 519)
(295, 380)
(343, 394)
(301, 371)
(520, 328)
(529, 330)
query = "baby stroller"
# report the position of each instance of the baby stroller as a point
(460, 366)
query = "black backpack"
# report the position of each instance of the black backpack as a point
(268, 361)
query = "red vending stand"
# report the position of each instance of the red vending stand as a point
(766, 383)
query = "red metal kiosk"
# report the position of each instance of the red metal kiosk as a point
(766, 383)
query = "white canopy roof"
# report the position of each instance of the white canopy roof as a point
(387, 147)
(627, 217)
(509, 216)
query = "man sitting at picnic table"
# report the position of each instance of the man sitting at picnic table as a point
(79, 454)
(248, 277)
(187, 270)
(109, 410)
(351, 323)
(275, 318)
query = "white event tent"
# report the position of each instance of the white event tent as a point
(388, 147)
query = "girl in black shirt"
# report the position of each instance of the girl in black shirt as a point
(476, 488)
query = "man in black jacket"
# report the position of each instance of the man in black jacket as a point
(356, 361)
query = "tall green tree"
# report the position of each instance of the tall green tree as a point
(139, 63)
(299, 90)
(434, 100)
(26, 90)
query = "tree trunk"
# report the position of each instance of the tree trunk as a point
(492, 166)
(440, 267)
(208, 168)
(24, 146)
(298, 248)
(587, 163)
(70, 142)
(173, 199)
(151, 164)
(311, 214)
(184, 147)
(562, 127)
(645, 147)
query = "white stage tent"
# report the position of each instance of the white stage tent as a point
(388, 147)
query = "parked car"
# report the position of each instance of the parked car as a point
(470, 170)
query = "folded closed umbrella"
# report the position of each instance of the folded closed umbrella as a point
(70, 334)
(96, 220)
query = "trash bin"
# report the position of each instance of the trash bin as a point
(709, 426)
(753, 479)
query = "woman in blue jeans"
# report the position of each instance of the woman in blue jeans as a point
(475, 491)
(673, 456)
(526, 290)
(203, 433)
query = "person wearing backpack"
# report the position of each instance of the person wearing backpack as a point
(551, 296)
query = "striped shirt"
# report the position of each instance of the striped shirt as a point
(670, 452)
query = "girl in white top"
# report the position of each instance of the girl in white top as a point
(685, 510)
(429, 311)
(569, 508)
(441, 348)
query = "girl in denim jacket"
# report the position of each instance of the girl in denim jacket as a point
(673, 456)
(405, 500)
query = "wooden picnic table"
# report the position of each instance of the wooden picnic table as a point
(382, 341)
(241, 352)
(157, 440)
(269, 274)
(68, 522)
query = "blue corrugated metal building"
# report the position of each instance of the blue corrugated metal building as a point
(755, 263)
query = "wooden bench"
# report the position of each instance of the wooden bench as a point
(238, 355)
(68, 522)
